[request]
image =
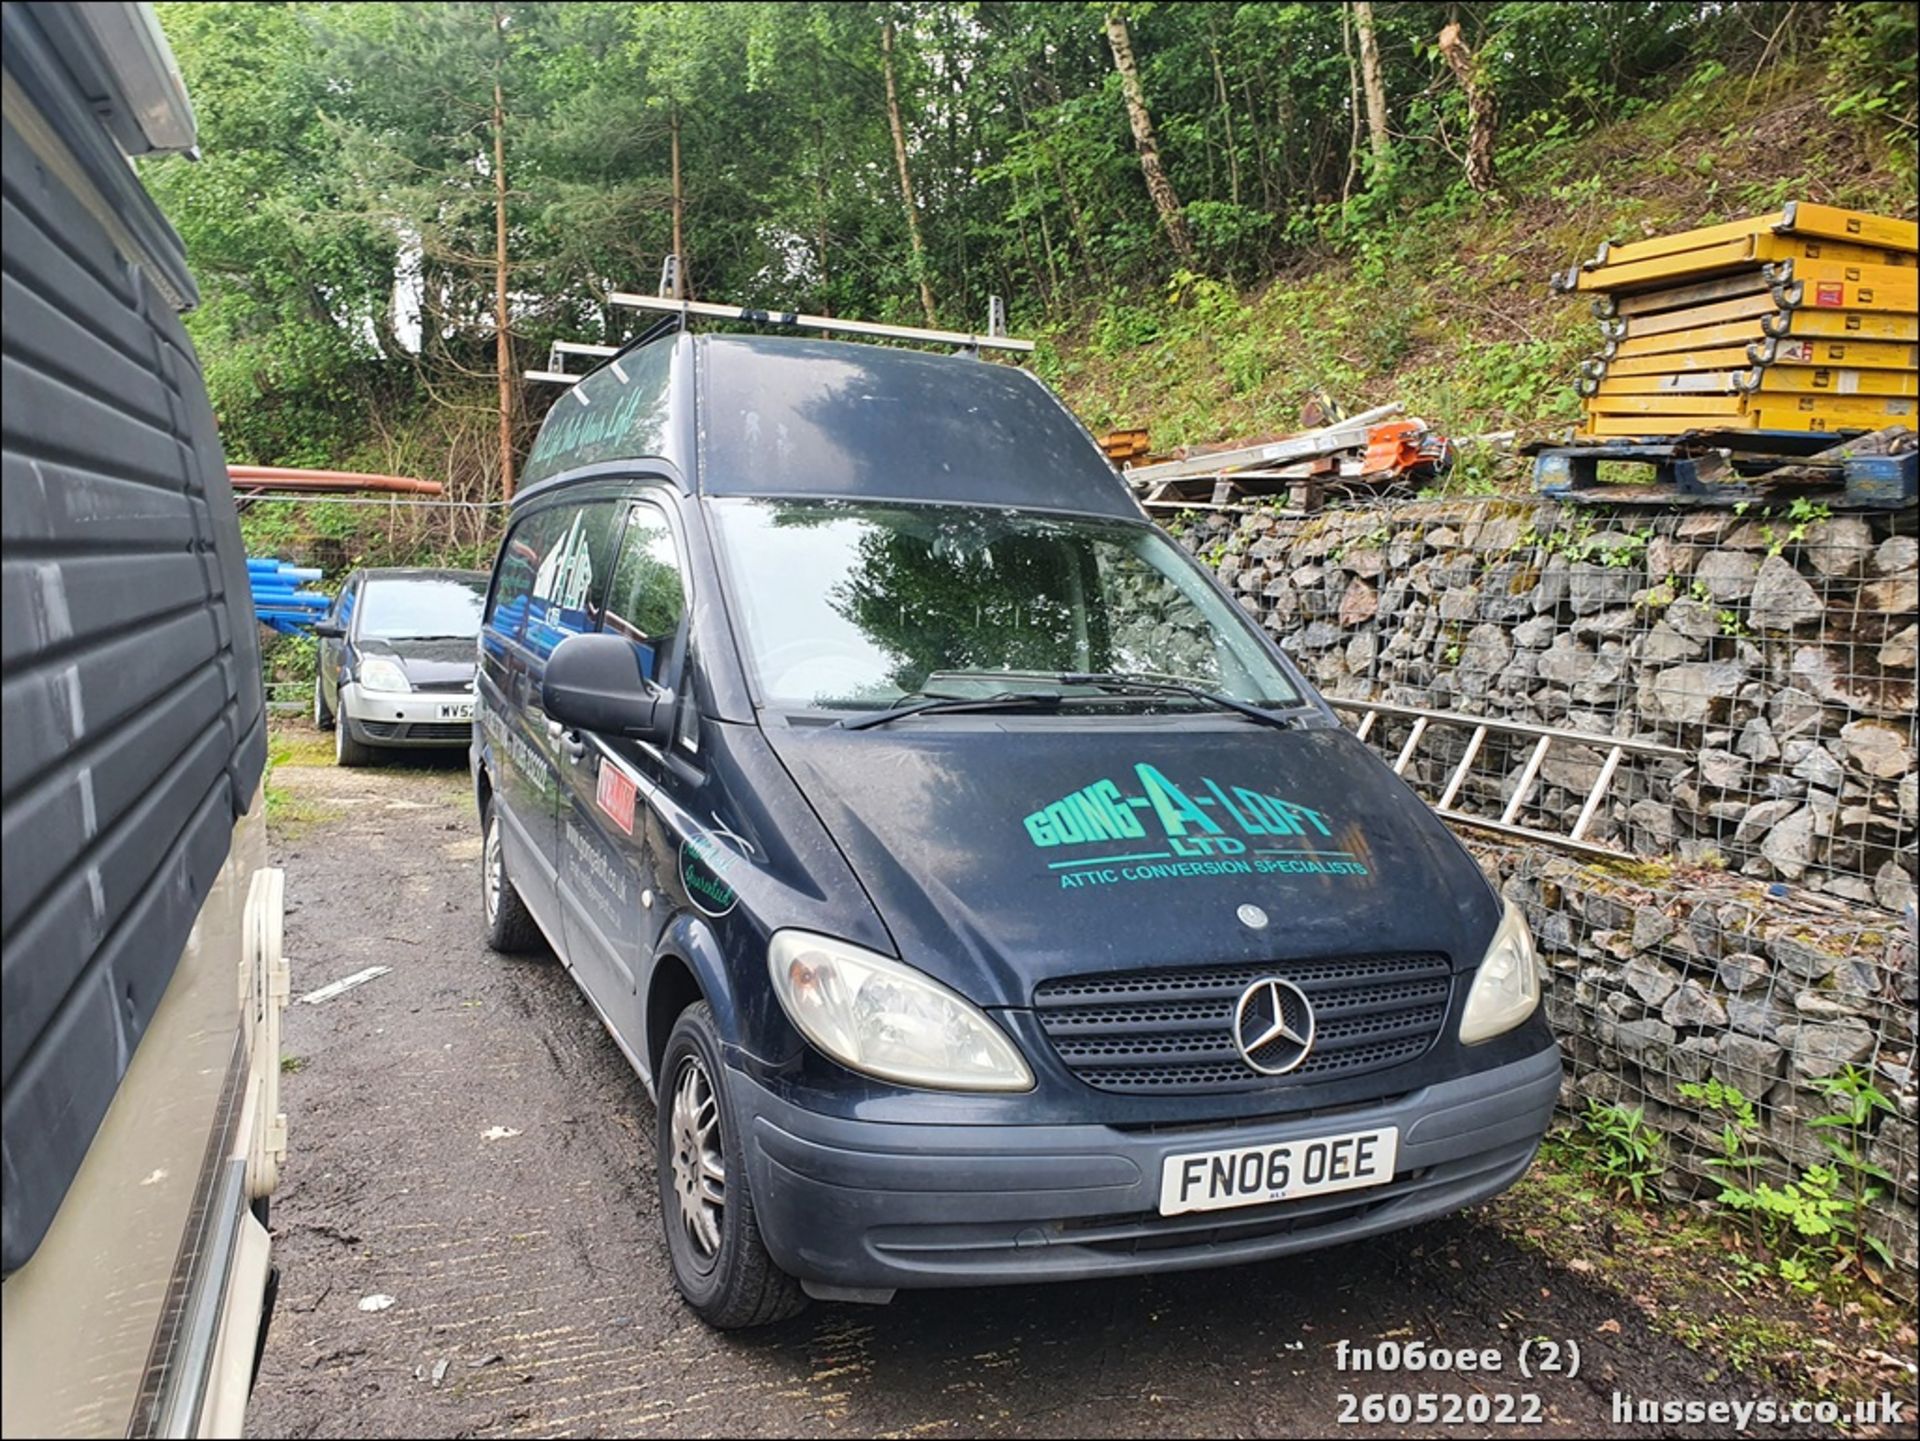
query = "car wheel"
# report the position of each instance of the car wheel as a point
(511, 928)
(322, 717)
(346, 750)
(720, 1263)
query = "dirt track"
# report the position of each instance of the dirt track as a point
(529, 1276)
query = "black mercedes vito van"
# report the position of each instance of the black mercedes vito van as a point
(982, 896)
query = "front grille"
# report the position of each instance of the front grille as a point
(1170, 1031)
(1148, 1231)
(439, 686)
(417, 730)
(440, 731)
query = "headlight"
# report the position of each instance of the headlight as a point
(885, 1019)
(1507, 986)
(379, 673)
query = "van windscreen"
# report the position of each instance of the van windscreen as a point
(848, 606)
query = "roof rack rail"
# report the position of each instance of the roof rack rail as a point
(960, 339)
(681, 311)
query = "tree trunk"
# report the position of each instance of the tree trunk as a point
(1046, 240)
(681, 290)
(1172, 217)
(1370, 79)
(1226, 116)
(906, 177)
(1353, 102)
(1260, 142)
(820, 214)
(503, 341)
(1483, 116)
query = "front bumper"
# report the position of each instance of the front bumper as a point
(880, 1206)
(405, 718)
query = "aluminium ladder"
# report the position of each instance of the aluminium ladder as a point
(1544, 738)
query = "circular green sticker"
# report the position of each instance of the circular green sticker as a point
(704, 863)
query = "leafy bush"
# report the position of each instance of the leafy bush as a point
(1622, 1147)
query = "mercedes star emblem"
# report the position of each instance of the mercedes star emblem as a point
(1273, 1026)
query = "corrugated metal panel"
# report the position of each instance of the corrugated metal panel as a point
(129, 673)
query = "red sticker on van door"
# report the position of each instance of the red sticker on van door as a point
(614, 795)
(1834, 295)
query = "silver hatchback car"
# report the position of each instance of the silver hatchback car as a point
(396, 661)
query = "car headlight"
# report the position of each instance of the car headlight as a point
(886, 1019)
(377, 672)
(1507, 986)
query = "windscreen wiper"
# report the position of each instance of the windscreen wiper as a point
(1132, 683)
(950, 705)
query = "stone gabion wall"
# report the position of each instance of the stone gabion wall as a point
(1651, 987)
(1777, 648)
(1767, 938)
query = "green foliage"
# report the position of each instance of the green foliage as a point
(1622, 1148)
(1847, 1133)
(1580, 542)
(341, 219)
(1739, 1158)
(1870, 66)
(1806, 1221)
(1816, 1222)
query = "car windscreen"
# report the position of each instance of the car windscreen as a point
(854, 606)
(422, 608)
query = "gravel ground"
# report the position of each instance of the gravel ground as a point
(466, 1140)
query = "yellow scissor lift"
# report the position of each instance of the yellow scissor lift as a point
(1805, 321)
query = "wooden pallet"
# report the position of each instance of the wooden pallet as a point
(1870, 471)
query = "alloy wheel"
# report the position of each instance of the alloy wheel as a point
(491, 870)
(699, 1163)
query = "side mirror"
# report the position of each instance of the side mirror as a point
(593, 683)
(327, 630)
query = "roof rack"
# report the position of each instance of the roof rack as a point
(683, 311)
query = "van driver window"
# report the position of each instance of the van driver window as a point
(646, 601)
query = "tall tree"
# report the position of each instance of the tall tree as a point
(906, 175)
(1371, 82)
(1353, 102)
(1482, 109)
(1172, 218)
(502, 318)
(679, 207)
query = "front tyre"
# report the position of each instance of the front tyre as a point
(720, 1263)
(346, 750)
(511, 929)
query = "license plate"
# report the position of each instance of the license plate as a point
(1283, 1171)
(457, 710)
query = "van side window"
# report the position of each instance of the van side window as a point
(647, 601)
(570, 580)
(526, 547)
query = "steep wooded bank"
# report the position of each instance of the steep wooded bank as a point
(1207, 210)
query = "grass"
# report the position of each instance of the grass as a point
(288, 811)
(298, 746)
